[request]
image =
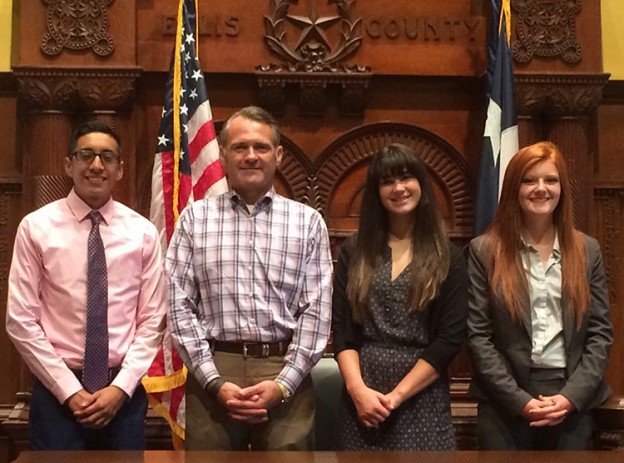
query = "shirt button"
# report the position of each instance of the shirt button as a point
(249, 267)
(250, 241)
(251, 295)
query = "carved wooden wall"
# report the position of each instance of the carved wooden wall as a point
(344, 78)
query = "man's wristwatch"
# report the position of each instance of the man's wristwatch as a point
(285, 392)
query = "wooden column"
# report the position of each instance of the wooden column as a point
(561, 108)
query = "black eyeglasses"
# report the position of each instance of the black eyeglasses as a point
(88, 155)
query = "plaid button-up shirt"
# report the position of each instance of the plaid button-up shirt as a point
(259, 276)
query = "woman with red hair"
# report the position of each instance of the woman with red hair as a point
(539, 329)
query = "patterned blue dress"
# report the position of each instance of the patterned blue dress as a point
(393, 340)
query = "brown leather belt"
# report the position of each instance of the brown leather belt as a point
(251, 349)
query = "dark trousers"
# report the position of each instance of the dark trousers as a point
(52, 425)
(498, 430)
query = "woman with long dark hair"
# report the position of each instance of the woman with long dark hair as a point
(399, 313)
(539, 329)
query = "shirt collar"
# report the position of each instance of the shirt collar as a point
(81, 210)
(263, 203)
(556, 252)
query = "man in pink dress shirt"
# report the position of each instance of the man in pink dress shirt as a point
(47, 304)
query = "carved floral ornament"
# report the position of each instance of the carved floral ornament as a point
(546, 28)
(559, 95)
(67, 89)
(77, 25)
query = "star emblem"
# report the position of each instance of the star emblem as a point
(313, 26)
(162, 140)
(193, 94)
(197, 75)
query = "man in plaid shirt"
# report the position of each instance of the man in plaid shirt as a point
(250, 292)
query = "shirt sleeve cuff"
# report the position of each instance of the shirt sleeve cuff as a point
(125, 381)
(206, 372)
(65, 388)
(290, 377)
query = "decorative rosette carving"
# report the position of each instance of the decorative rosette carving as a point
(77, 25)
(546, 28)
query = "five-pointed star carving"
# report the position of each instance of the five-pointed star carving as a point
(312, 26)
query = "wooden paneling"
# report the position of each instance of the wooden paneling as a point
(425, 88)
(608, 216)
(10, 215)
(395, 36)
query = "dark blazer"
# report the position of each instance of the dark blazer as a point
(501, 347)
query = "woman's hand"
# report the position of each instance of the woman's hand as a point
(395, 399)
(372, 406)
(547, 410)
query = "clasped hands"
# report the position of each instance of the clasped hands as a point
(373, 407)
(251, 404)
(547, 410)
(96, 410)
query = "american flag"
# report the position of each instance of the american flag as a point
(500, 137)
(186, 167)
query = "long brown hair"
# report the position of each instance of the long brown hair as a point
(431, 254)
(508, 276)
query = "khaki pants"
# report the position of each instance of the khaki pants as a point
(290, 425)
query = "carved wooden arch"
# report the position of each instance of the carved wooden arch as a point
(292, 178)
(341, 172)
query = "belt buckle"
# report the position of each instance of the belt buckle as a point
(244, 350)
(265, 349)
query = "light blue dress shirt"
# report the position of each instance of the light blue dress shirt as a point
(544, 281)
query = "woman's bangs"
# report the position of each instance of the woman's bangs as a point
(396, 164)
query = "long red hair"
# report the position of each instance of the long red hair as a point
(507, 277)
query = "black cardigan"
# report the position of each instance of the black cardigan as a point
(446, 313)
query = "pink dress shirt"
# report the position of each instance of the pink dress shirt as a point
(46, 308)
